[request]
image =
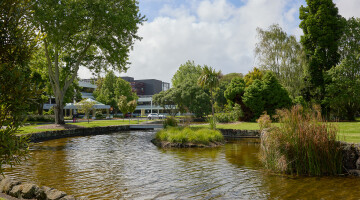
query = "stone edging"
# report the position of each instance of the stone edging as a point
(31, 191)
(49, 135)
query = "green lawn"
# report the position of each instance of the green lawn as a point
(96, 123)
(348, 131)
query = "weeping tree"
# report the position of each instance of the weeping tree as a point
(90, 33)
(209, 78)
(282, 54)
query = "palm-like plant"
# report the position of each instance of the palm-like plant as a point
(209, 78)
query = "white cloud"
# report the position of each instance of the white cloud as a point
(348, 8)
(211, 32)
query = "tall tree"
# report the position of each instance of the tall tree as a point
(209, 78)
(17, 43)
(278, 52)
(344, 89)
(186, 72)
(323, 27)
(95, 34)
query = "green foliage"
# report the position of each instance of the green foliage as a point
(170, 122)
(250, 77)
(283, 55)
(86, 106)
(266, 95)
(209, 79)
(95, 34)
(323, 28)
(304, 144)
(343, 92)
(18, 41)
(189, 97)
(167, 100)
(219, 97)
(40, 118)
(227, 78)
(188, 135)
(235, 90)
(188, 72)
(111, 88)
(233, 115)
(254, 99)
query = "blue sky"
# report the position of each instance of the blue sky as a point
(219, 33)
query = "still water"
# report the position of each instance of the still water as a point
(127, 165)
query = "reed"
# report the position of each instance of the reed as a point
(303, 144)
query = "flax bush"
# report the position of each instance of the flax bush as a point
(304, 144)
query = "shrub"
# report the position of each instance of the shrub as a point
(170, 121)
(99, 115)
(188, 135)
(224, 117)
(304, 144)
(40, 118)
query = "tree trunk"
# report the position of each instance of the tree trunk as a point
(59, 115)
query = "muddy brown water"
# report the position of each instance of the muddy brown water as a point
(126, 165)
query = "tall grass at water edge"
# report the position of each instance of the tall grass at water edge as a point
(189, 135)
(303, 144)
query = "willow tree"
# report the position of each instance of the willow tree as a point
(282, 54)
(209, 78)
(91, 33)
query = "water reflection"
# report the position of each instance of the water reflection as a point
(127, 165)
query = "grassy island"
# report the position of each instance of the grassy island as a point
(188, 137)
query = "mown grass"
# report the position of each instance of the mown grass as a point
(189, 135)
(97, 123)
(347, 131)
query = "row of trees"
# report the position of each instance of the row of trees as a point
(323, 68)
(203, 90)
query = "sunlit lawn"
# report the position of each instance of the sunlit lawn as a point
(83, 123)
(348, 131)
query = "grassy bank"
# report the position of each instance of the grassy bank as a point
(348, 131)
(35, 128)
(179, 135)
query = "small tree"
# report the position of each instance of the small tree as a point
(132, 106)
(86, 105)
(210, 79)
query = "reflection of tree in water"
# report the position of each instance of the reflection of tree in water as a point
(280, 186)
(243, 152)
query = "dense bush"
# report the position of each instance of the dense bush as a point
(266, 95)
(188, 135)
(304, 144)
(170, 121)
(40, 118)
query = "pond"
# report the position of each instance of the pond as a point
(126, 165)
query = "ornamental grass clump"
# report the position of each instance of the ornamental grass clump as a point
(304, 144)
(187, 135)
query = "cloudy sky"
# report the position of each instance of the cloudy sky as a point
(218, 33)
